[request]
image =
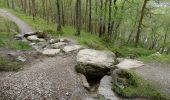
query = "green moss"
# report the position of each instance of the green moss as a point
(139, 88)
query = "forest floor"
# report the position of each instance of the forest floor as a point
(55, 78)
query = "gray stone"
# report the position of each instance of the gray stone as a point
(58, 45)
(129, 63)
(29, 34)
(63, 40)
(84, 81)
(105, 88)
(96, 58)
(51, 52)
(22, 59)
(52, 41)
(71, 48)
(18, 37)
(35, 38)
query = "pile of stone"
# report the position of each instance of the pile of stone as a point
(41, 42)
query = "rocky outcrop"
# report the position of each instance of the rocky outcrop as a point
(93, 63)
(105, 89)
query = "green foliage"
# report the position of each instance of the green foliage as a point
(9, 65)
(140, 88)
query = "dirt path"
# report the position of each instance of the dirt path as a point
(48, 78)
(157, 73)
(24, 27)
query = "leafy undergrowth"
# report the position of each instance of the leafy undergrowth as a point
(139, 88)
(7, 64)
(7, 41)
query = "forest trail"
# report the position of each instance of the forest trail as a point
(55, 78)
(23, 27)
(157, 73)
(48, 77)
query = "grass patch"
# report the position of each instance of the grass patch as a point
(139, 87)
(125, 51)
(163, 58)
(9, 65)
(7, 41)
(8, 26)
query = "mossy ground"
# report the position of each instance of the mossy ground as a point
(139, 88)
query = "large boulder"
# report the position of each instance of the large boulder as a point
(93, 63)
(105, 89)
(51, 52)
(129, 63)
(71, 48)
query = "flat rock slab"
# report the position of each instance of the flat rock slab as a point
(129, 63)
(105, 88)
(96, 58)
(58, 45)
(51, 52)
(71, 48)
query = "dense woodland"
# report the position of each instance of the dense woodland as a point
(139, 23)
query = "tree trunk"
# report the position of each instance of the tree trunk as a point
(101, 19)
(90, 15)
(110, 18)
(140, 23)
(13, 4)
(78, 17)
(33, 9)
(59, 15)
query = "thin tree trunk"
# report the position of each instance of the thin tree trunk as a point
(90, 16)
(78, 16)
(140, 23)
(59, 15)
(101, 19)
(110, 18)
